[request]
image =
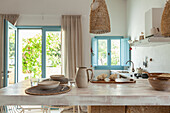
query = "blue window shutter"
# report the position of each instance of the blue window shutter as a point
(94, 52)
(125, 51)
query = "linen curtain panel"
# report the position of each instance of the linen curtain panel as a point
(13, 19)
(71, 44)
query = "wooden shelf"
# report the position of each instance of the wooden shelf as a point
(152, 41)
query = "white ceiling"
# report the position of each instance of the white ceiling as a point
(49, 7)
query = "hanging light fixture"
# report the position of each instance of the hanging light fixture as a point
(99, 17)
(165, 24)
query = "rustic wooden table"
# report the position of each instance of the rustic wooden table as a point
(96, 95)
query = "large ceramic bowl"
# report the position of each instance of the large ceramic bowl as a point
(45, 85)
(159, 84)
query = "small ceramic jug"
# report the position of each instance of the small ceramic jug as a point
(82, 77)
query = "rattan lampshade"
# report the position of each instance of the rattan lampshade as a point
(165, 24)
(99, 18)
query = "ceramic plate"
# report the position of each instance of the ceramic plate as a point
(48, 84)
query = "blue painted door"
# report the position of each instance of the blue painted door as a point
(10, 54)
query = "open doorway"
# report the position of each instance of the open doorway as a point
(30, 53)
(39, 53)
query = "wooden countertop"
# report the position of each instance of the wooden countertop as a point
(139, 93)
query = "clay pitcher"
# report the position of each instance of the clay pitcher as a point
(82, 77)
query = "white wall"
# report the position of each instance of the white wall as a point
(123, 23)
(135, 25)
(48, 12)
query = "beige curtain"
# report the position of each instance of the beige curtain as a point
(71, 44)
(1, 48)
(13, 19)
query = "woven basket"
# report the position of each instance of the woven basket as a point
(165, 24)
(99, 19)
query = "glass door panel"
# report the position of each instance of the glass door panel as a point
(10, 54)
(115, 52)
(53, 53)
(102, 52)
(11, 57)
(30, 53)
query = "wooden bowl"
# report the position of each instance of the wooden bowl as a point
(159, 84)
(59, 78)
(48, 84)
(56, 77)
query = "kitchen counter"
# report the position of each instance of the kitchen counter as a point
(139, 93)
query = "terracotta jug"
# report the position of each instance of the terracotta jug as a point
(83, 77)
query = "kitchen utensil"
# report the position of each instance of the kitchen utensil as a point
(83, 77)
(62, 89)
(48, 84)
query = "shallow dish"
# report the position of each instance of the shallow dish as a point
(56, 77)
(48, 84)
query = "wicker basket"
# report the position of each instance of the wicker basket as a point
(165, 24)
(99, 19)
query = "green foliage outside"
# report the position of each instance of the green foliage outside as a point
(115, 52)
(11, 45)
(53, 50)
(11, 48)
(32, 53)
(102, 53)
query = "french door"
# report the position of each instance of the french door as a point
(28, 49)
(51, 52)
(39, 51)
(10, 54)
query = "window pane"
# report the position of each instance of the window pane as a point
(11, 57)
(30, 53)
(102, 52)
(115, 52)
(53, 53)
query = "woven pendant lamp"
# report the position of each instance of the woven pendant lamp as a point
(99, 18)
(165, 24)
